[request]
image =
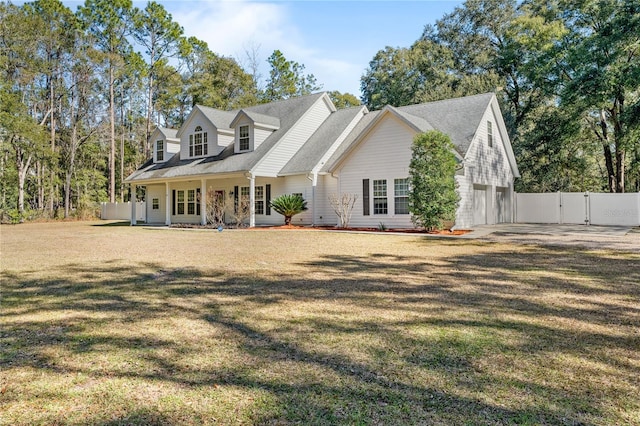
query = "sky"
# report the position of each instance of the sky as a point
(335, 40)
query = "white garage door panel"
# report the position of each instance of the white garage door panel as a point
(479, 205)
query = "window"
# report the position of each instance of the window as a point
(191, 201)
(380, 196)
(490, 133)
(198, 143)
(401, 193)
(160, 150)
(259, 197)
(180, 202)
(243, 134)
(155, 204)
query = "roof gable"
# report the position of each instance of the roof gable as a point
(459, 117)
(219, 119)
(260, 120)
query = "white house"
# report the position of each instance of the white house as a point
(304, 145)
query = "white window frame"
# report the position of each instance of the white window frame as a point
(489, 133)
(258, 201)
(191, 201)
(400, 194)
(160, 150)
(198, 143)
(244, 138)
(380, 197)
(180, 202)
(155, 204)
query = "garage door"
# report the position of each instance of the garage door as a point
(501, 205)
(479, 205)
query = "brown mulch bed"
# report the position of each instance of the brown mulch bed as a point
(329, 228)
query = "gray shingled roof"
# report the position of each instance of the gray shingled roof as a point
(459, 118)
(220, 119)
(168, 133)
(350, 139)
(320, 142)
(261, 118)
(289, 111)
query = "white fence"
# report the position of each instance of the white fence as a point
(579, 208)
(122, 211)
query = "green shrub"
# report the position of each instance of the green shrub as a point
(289, 205)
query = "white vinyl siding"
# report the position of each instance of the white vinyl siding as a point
(486, 169)
(291, 142)
(340, 139)
(385, 153)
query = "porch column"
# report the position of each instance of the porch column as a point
(167, 204)
(313, 177)
(203, 201)
(133, 204)
(252, 200)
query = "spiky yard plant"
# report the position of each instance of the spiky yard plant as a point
(289, 205)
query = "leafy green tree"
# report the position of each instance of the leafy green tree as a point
(24, 136)
(287, 79)
(599, 73)
(216, 81)
(392, 79)
(108, 21)
(433, 198)
(161, 37)
(343, 100)
(289, 205)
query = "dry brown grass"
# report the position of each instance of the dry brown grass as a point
(121, 325)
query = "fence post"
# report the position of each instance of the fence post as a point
(587, 209)
(560, 212)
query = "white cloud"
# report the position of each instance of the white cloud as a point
(232, 27)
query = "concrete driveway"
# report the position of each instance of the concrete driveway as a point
(591, 237)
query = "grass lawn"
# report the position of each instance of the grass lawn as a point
(118, 325)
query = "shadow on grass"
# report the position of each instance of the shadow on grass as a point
(410, 340)
(122, 223)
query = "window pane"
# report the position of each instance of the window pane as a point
(259, 192)
(380, 188)
(379, 206)
(401, 187)
(181, 196)
(402, 205)
(191, 194)
(259, 207)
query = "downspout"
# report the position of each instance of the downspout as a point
(313, 177)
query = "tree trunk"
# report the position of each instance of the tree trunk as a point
(147, 150)
(608, 155)
(23, 167)
(53, 148)
(112, 137)
(287, 220)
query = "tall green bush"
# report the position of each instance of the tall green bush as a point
(433, 198)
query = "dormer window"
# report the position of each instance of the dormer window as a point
(160, 150)
(198, 143)
(243, 135)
